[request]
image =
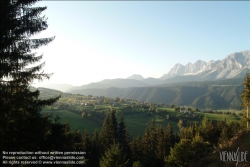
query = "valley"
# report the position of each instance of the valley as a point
(88, 112)
(187, 116)
(129, 84)
(201, 94)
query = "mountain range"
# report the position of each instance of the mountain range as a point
(233, 66)
(212, 84)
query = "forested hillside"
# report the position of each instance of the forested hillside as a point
(206, 94)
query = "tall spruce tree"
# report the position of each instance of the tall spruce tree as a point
(109, 132)
(21, 125)
(124, 138)
(245, 96)
(149, 146)
(160, 146)
(170, 139)
(87, 147)
(95, 151)
(104, 135)
(136, 148)
(121, 130)
(113, 126)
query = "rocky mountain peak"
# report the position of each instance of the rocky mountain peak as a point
(232, 66)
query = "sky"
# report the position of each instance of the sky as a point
(106, 40)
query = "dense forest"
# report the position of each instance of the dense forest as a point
(24, 128)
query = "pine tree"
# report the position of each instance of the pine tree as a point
(104, 136)
(121, 130)
(152, 136)
(96, 152)
(245, 96)
(87, 147)
(113, 127)
(109, 132)
(22, 127)
(224, 136)
(160, 146)
(124, 138)
(126, 145)
(59, 137)
(145, 147)
(78, 140)
(149, 146)
(136, 148)
(86, 142)
(113, 157)
(187, 152)
(180, 154)
(170, 139)
(95, 138)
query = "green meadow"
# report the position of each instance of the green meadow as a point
(70, 108)
(222, 117)
(75, 121)
(136, 122)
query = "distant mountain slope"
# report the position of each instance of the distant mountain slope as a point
(107, 83)
(235, 82)
(136, 77)
(46, 93)
(233, 66)
(211, 94)
(49, 91)
(152, 81)
(60, 87)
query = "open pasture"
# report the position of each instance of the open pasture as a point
(75, 121)
(137, 120)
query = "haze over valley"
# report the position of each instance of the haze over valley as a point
(213, 84)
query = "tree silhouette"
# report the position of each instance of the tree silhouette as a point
(22, 127)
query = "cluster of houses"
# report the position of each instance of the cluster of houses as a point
(91, 100)
(186, 112)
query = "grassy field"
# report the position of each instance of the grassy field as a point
(230, 110)
(74, 120)
(137, 121)
(222, 117)
(136, 116)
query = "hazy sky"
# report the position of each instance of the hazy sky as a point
(106, 40)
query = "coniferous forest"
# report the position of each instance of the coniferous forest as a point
(24, 128)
